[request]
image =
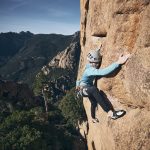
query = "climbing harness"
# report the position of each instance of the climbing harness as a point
(82, 92)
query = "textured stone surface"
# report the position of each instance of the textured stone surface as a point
(121, 26)
(68, 58)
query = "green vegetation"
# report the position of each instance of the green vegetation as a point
(32, 128)
(47, 119)
(55, 73)
(72, 108)
(38, 83)
(17, 131)
(23, 130)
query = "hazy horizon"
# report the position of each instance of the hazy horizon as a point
(37, 33)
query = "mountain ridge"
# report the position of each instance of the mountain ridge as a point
(34, 53)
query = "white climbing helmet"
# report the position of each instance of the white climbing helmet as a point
(94, 56)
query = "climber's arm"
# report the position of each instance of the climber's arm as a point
(101, 72)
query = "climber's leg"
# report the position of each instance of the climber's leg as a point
(93, 109)
(96, 95)
(93, 106)
(104, 103)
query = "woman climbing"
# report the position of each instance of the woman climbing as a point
(87, 89)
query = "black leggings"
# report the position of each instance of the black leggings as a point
(95, 96)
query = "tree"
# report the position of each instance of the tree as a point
(72, 109)
(17, 131)
(23, 130)
(38, 83)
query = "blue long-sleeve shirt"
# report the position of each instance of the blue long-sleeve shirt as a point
(90, 73)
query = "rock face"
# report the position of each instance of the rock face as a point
(64, 65)
(121, 26)
(69, 58)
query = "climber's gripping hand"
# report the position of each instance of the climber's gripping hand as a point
(123, 58)
(78, 88)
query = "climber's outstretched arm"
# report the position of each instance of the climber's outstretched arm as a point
(102, 72)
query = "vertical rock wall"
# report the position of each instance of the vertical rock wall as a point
(121, 26)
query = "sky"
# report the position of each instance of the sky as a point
(40, 16)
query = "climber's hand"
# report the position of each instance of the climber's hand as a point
(123, 58)
(77, 88)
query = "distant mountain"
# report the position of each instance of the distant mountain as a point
(30, 53)
(11, 43)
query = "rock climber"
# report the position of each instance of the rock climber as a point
(86, 87)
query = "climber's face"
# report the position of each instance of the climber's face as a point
(96, 64)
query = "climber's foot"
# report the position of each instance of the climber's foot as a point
(118, 114)
(95, 120)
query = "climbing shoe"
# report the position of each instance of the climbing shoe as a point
(118, 114)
